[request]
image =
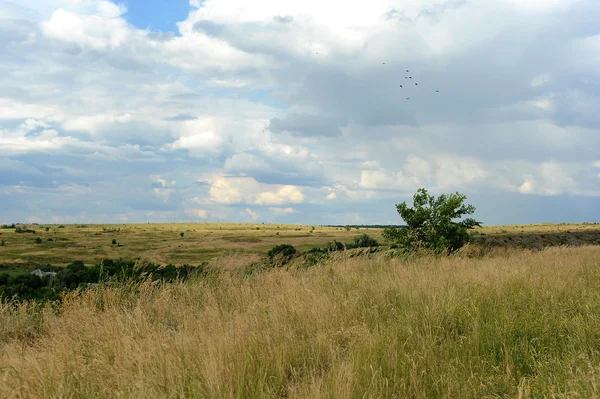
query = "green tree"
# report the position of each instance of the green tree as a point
(431, 223)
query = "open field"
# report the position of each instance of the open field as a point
(162, 243)
(524, 324)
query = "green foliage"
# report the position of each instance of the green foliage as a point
(348, 228)
(334, 246)
(20, 229)
(8, 226)
(431, 223)
(281, 254)
(114, 242)
(181, 234)
(363, 241)
(38, 240)
(25, 286)
(314, 256)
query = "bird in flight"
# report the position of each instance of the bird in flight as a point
(407, 70)
(437, 91)
(416, 84)
(400, 85)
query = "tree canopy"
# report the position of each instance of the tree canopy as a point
(431, 222)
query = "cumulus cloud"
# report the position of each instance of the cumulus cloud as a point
(282, 211)
(267, 104)
(227, 190)
(197, 213)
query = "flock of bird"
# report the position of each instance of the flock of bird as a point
(410, 77)
(406, 77)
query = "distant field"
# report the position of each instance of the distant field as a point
(162, 243)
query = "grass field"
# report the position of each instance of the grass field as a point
(524, 324)
(508, 322)
(162, 243)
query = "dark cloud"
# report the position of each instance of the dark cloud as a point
(181, 118)
(308, 125)
(210, 28)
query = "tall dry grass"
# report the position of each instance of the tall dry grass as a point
(526, 324)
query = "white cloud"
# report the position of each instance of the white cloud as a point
(163, 193)
(283, 195)
(242, 98)
(224, 190)
(198, 144)
(94, 31)
(198, 213)
(92, 123)
(253, 214)
(282, 211)
(528, 185)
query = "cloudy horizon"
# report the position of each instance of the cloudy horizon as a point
(282, 111)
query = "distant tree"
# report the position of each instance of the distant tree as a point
(181, 234)
(38, 240)
(363, 241)
(114, 242)
(431, 223)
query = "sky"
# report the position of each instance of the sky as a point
(285, 111)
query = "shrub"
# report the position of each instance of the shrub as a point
(181, 234)
(38, 240)
(2, 243)
(363, 241)
(8, 226)
(314, 256)
(20, 229)
(430, 223)
(281, 254)
(47, 229)
(334, 246)
(114, 242)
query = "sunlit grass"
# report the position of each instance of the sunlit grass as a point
(520, 324)
(161, 243)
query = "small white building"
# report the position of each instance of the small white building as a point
(40, 273)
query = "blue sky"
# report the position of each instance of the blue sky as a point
(297, 112)
(157, 15)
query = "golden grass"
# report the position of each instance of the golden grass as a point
(161, 243)
(524, 324)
